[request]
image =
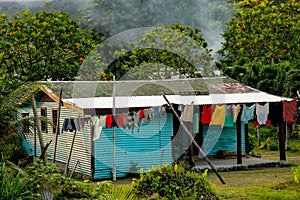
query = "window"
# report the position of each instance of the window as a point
(43, 122)
(54, 119)
(25, 123)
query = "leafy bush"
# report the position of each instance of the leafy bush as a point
(272, 144)
(296, 173)
(173, 182)
(268, 134)
(11, 148)
(48, 183)
(14, 185)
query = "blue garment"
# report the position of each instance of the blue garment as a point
(68, 125)
(156, 110)
(247, 113)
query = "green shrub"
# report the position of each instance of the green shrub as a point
(11, 148)
(14, 185)
(173, 182)
(272, 144)
(296, 173)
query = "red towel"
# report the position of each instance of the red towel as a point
(142, 114)
(109, 120)
(206, 114)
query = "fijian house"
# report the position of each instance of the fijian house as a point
(99, 125)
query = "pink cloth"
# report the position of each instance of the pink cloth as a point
(289, 111)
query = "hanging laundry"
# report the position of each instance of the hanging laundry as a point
(68, 125)
(147, 116)
(77, 125)
(247, 113)
(136, 117)
(262, 112)
(180, 108)
(82, 121)
(206, 114)
(120, 120)
(156, 110)
(218, 116)
(187, 114)
(196, 123)
(236, 110)
(109, 121)
(125, 119)
(97, 129)
(162, 109)
(114, 122)
(130, 122)
(93, 120)
(276, 112)
(150, 114)
(289, 111)
(229, 116)
(141, 114)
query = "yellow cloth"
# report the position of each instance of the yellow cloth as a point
(218, 116)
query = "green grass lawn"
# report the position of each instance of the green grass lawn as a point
(268, 183)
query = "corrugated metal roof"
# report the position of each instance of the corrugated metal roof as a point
(83, 89)
(150, 101)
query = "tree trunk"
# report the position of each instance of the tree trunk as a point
(37, 122)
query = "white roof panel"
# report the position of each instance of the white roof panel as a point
(150, 101)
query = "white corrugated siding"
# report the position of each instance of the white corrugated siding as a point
(82, 146)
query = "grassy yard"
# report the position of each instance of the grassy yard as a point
(268, 183)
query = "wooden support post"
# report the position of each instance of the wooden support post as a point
(70, 153)
(246, 128)
(34, 153)
(281, 137)
(287, 136)
(57, 125)
(37, 122)
(239, 139)
(195, 143)
(258, 136)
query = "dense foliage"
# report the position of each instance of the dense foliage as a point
(11, 148)
(44, 181)
(40, 47)
(173, 182)
(262, 46)
(158, 53)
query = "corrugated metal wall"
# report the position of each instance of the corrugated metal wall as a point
(221, 138)
(150, 146)
(82, 146)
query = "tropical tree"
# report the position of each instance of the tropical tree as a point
(263, 33)
(41, 47)
(160, 52)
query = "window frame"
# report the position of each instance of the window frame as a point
(44, 127)
(54, 119)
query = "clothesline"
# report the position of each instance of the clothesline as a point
(226, 115)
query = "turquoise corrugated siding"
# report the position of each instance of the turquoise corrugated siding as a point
(217, 138)
(151, 146)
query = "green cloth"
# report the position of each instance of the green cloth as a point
(229, 121)
(196, 123)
